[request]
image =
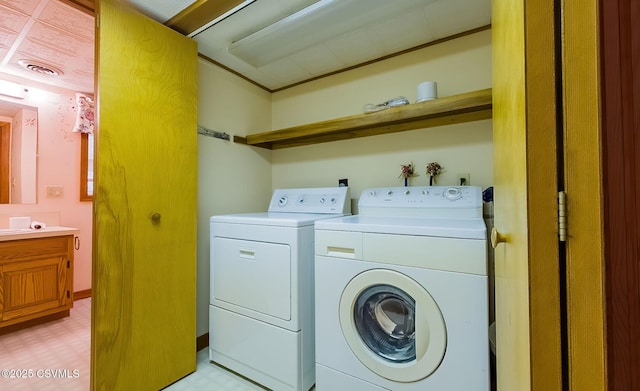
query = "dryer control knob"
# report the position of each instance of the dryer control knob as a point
(407, 192)
(452, 193)
(389, 192)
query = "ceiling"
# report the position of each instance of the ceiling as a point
(54, 34)
(47, 34)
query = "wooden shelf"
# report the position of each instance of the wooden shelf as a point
(471, 106)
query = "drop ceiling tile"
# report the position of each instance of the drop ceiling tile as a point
(59, 40)
(221, 56)
(279, 74)
(24, 6)
(317, 60)
(7, 39)
(68, 19)
(12, 21)
(355, 47)
(452, 16)
(401, 32)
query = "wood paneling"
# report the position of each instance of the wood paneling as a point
(620, 53)
(145, 204)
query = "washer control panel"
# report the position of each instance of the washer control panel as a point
(422, 201)
(311, 200)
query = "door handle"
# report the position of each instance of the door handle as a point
(155, 218)
(497, 238)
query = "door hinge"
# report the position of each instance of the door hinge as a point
(562, 216)
(68, 294)
(68, 264)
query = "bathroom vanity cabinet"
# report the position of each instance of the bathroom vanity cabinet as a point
(36, 279)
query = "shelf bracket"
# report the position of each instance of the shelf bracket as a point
(213, 133)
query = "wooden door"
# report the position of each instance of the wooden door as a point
(144, 244)
(5, 159)
(527, 281)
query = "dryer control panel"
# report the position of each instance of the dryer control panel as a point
(424, 201)
(312, 200)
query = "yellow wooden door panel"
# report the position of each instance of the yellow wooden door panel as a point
(144, 274)
(527, 295)
(510, 187)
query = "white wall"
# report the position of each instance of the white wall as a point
(232, 178)
(58, 163)
(458, 66)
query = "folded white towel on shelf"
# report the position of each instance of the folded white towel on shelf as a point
(37, 225)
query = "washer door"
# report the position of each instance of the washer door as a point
(393, 325)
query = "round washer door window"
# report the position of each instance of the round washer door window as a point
(393, 325)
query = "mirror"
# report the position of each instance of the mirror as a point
(18, 148)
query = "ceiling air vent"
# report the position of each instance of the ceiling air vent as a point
(40, 68)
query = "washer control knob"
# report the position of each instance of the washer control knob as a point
(334, 200)
(407, 192)
(389, 192)
(322, 200)
(282, 201)
(453, 193)
(372, 193)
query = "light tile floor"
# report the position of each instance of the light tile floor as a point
(55, 356)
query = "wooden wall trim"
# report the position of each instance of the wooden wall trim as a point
(202, 342)
(620, 40)
(78, 295)
(86, 6)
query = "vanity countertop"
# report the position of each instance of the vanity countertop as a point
(18, 234)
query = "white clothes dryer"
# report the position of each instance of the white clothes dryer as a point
(401, 293)
(261, 314)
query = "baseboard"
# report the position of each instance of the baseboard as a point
(34, 322)
(202, 342)
(82, 294)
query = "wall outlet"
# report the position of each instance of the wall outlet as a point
(343, 182)
(55, 191)
(463, 180)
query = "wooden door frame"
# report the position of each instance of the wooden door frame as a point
(585, 307)
(5, 162)
(620, 85)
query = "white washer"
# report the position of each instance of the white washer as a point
(261, 314)
(402, 293)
